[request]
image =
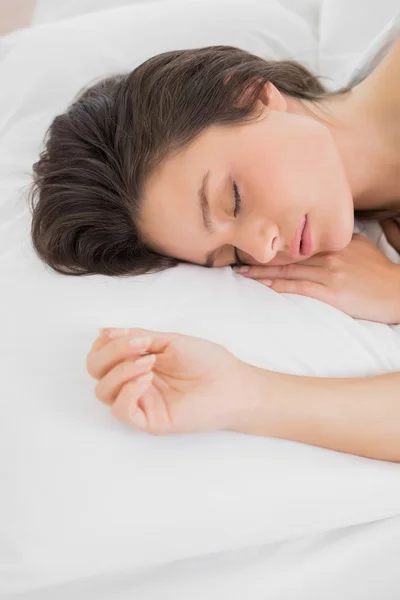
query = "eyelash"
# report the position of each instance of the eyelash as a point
(238, 200)
(238, 204)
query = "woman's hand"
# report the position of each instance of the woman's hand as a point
(183, 384)
(359, 280)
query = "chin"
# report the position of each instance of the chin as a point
(343, 233)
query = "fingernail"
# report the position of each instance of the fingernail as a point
(146, 360)
(242, 269)
(140, 342)
(115, 333)
(144, 380)
(136, 416)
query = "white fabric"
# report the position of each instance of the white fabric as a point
(48, 10)
(83, 495)
(354, 563)
(375, 52)
(267, 28)
(346, 28)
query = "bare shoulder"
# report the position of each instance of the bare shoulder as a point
(383, 84)
(389, 67)
(379, 95)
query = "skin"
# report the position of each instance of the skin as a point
(297, 159)
(193, 385)
(163, 383)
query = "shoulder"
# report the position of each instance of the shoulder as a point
(383, 84)
(379, 95)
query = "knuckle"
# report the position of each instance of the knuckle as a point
(302, 287)
(305, 288)
(99, 391)
(126, 369)
(338, 280)
(286, 270)
(122, 372)
(90, 365)
(114, 411)
(158, 430)
(333, 262)
(126, 392)
(155, 432)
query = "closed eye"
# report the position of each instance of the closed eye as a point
(238, 204)
(238, 200)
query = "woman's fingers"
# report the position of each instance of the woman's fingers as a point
(99, 342)
(110, 385)
(142, 406)
(107, 354)
(127, 404)
(106, 351)
(104, 338)
(292, 271)
(302, 288)
(124, 364)
(117, 332)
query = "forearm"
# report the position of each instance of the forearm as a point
(356, 415)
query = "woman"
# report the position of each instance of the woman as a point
(218, 157)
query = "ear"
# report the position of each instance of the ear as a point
(271, 97)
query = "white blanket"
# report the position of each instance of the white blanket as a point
(83, 494)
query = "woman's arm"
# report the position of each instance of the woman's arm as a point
(359, 280)
(358, 415)
(188, 384)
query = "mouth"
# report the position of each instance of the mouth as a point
(306, 244)
(297, 243)
(302, 237)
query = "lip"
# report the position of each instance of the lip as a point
(307, 244)
(295, 243)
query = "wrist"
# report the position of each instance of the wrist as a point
(263, 401)
(284, 406)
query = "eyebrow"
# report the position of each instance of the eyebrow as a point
(206, 214)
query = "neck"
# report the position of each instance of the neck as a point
(370, 156)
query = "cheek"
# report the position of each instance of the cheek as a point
(334, 204)
(288, 173)
(342, 232)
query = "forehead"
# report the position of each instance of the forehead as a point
(171, 219)
(192, 156)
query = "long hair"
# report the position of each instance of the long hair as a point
(90, 179)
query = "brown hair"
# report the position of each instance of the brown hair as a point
(91, 176)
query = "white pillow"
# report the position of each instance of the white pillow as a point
(82, 493)
(346, 28)
(48, 10)
(376, 51)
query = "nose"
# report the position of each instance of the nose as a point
(262, 242)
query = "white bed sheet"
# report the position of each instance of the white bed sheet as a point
(353, 563)
(361, 561)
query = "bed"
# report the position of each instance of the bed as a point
(90, 508)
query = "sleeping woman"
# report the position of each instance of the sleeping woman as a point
(218, 157)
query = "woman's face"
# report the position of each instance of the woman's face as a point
(284, 166)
